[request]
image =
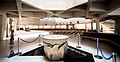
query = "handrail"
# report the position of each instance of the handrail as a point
(103, 39)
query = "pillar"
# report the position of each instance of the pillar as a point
(51, 26)
(97, 25)
(15, 26)
(55, 26)
(117, 26)
(3, 25)
(91, 25)
(42, 26)
(18, 23)
(38, 26)
(0, 27)
(67, 26)
(85, 26)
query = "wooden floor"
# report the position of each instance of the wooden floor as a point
(86, 45)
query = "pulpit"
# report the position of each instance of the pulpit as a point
(55, 46)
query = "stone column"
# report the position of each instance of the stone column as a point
(51, 26)
(97, 25)
(85, 26)
(38, 25)
(117, 26)
(0, 27)
(91, 25)
(3, 25)
(18, 23)
(15, 26)
(55, 26)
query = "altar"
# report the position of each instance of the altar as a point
(55, 46)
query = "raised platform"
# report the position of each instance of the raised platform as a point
(73, 55)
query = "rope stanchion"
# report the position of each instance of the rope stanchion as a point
(98, 56)
(102, 52)
(114, 57)
(30, 41)
(79, 40)
(19, 53)
(18, 45)
(40, 40)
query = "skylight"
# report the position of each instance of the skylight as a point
(53, 21)
(55, 4)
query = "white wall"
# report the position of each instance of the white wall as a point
(29, 21)
(107, 28)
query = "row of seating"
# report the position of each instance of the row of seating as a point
(67, 32)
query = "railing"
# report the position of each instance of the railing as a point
(113, 55)
(39, 36)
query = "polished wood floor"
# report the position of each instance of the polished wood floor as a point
(86, 45)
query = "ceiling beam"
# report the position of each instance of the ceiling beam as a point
(89, 4)
(22, 15)
(23, 10)
(8, 10)
(47, 11)
(58, 14)
(18, 3)
(116, 6)
(12, 13)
